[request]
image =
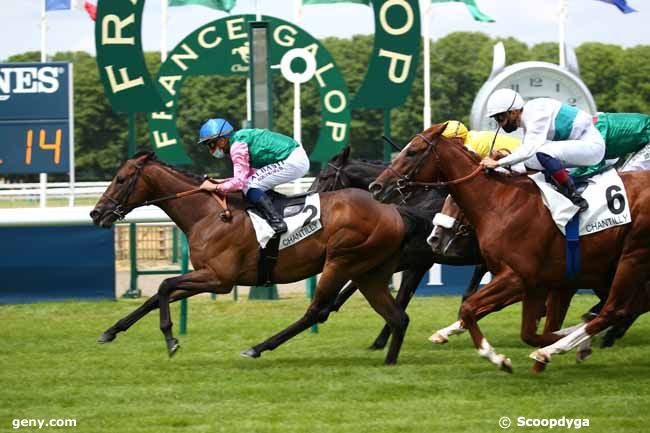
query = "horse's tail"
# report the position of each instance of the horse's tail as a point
(415, 222)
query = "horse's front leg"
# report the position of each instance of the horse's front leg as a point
(410, 280)
(193, 282)
(505, 289)
(472, 287)
(129, 320)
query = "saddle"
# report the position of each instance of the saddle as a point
(286, 206)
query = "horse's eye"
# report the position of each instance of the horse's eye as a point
(411, 153)
(119, 180)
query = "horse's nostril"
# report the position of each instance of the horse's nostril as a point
(94, 214)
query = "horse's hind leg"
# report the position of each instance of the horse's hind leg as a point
(410, 280)
(329, 285)
(345, 293)
(374, 286)
(472, 287)
(127, 321)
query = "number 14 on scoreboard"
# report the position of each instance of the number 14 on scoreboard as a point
(56, 146)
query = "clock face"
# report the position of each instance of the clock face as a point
(539, 80)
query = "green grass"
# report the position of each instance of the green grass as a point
(327, 382)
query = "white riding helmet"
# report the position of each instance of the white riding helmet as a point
(503, 100)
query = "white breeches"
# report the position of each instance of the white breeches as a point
(587, 151)
(268, 177)
(640, 160)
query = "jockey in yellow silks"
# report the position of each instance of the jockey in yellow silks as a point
(480, 142)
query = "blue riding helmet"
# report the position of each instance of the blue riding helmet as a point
(214, 128)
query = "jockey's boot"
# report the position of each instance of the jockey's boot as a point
(265, 205)
(569, 190)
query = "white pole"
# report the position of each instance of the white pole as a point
(563, 18)
(43, 176)
(258, 11)
(297, 112)
(249, 108)
(164, 18)
(426, 25)
(71, 126)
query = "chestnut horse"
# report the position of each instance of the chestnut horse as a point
(359, 241)
(522, 246)
(460, 235)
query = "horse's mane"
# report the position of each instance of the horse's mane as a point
(151, 156)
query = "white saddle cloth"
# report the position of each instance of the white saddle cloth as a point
(301, 224)
(608, 204)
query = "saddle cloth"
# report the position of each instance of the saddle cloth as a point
(302, 218)
(605, 193)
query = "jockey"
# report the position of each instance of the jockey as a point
(480, 142)
(261, 160)
(555, 135)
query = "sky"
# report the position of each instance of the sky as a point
(530, 21)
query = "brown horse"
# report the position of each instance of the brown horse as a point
(522, 246)
(359, 241)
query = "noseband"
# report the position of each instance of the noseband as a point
(121, 207)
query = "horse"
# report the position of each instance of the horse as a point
(416, 257)
(460, 233)
(224, 250)
(501, 209)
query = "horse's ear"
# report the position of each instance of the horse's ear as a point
(345, 154)
(436, 130)
(146, 153)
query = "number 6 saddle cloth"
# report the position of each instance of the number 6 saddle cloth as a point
(605, 193)
(301, 213)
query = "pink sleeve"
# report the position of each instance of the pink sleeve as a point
(241, 168)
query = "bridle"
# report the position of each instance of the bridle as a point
(338, 171)
(404, 181)
(121, 207)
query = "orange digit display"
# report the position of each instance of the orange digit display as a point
(56, 146)
(28, 147)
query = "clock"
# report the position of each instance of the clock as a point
(532, 80)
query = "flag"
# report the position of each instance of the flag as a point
(89, 6)
(57, 5)
(621, 5)
(222, 5)
(473, 9)
(315, 2)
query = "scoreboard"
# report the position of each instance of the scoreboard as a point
(35, 117)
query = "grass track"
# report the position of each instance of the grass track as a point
(51, 367)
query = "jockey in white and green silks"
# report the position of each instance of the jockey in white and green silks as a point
(556, 136)
(261, 159)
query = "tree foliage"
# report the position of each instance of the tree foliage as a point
(460, 64)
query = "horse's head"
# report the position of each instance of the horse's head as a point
(416, 162)
(333, 175)
(452, 236)
(126, 190)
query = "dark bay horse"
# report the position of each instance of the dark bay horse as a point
(224, 253)
(532, 257)
(416, 256)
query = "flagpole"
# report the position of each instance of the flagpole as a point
(426, 24)
(43, 176)
(564, 12)
(164, 18)
(297, 109)
(258, 11)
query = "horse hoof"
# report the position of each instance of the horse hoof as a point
(438, 338)
(251, 353)
(106, 337)
(582, 355)
(377, 345)
(506, 365)
(538, 367)
(540, 356)
(172, 347)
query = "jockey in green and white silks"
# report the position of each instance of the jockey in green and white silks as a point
(261, 159)
(556, 136)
